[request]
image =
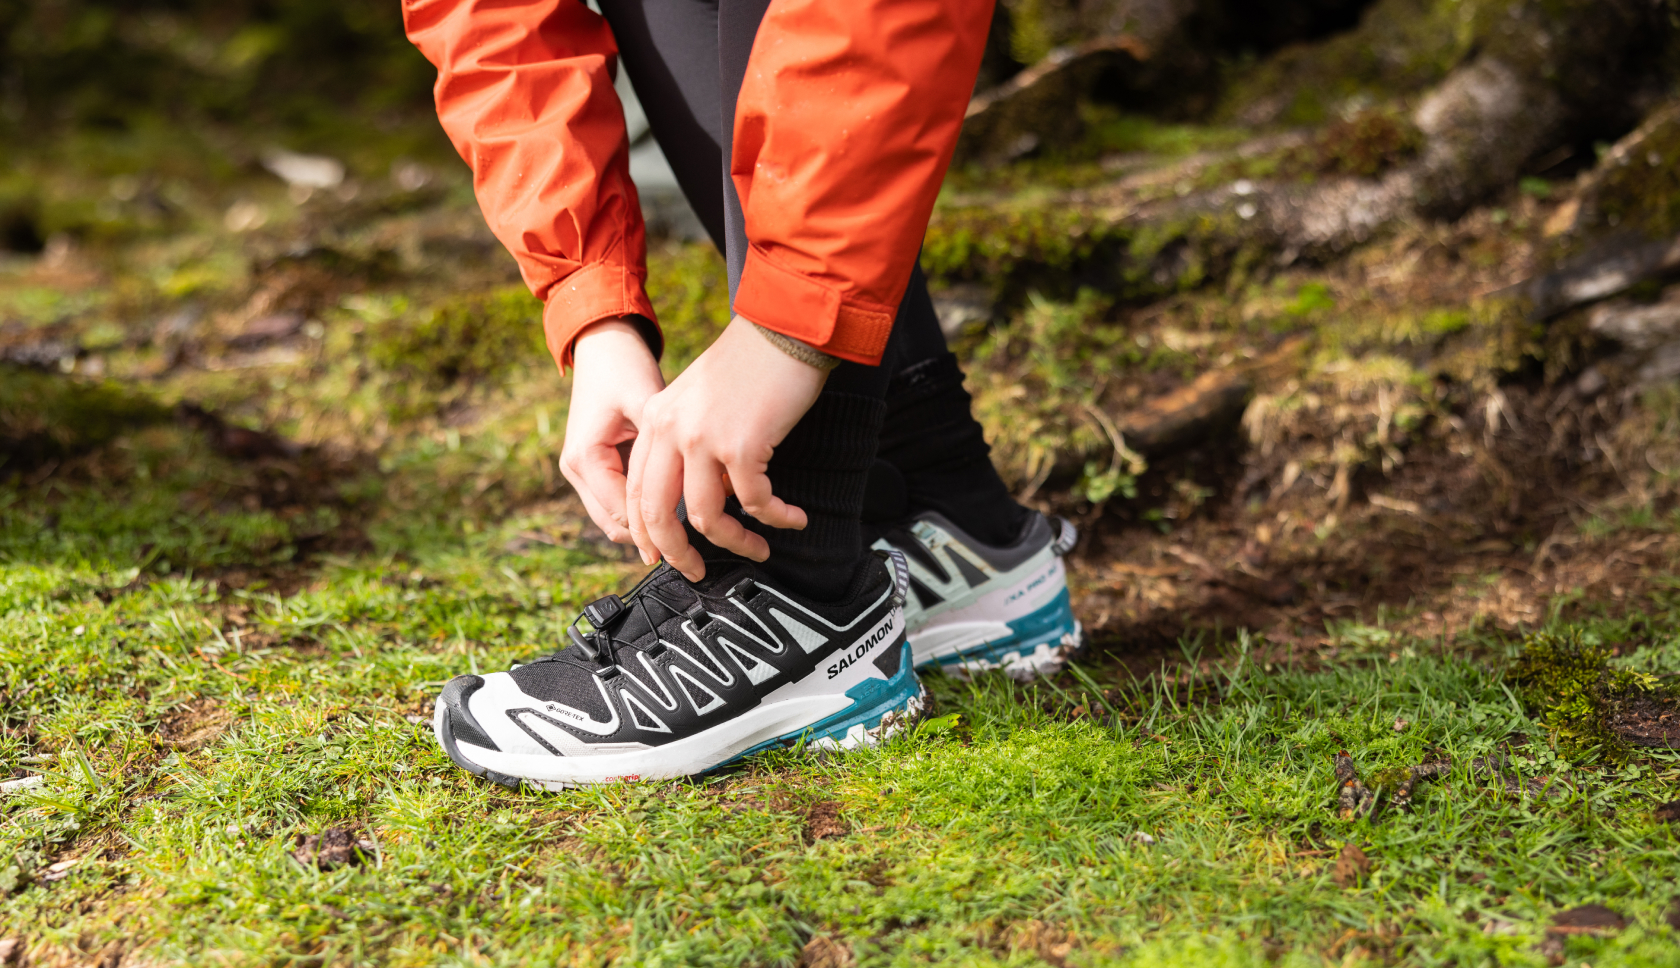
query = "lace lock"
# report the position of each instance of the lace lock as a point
(603, 610)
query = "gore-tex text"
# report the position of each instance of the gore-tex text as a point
(863, 648)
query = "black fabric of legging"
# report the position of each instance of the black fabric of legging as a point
(687, 60)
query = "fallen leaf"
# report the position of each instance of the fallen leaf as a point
(824, 952)
(1351, 866)
(1587, 919)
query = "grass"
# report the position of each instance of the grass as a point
(191, 731)
(195, 731)
(208, 657)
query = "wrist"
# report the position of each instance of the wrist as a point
(611, 344)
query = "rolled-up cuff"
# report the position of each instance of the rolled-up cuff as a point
(812, 312)
(589, 295)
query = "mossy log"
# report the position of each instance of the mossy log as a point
(1040, 105)
(1534, 79)
(1544, 78)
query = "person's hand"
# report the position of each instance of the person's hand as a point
(614, 375)
(710, 434)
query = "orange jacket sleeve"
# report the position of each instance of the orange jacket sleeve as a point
(844, 129)
(525, 93)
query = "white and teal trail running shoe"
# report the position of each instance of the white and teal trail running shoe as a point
(677, 678)
(974, 607)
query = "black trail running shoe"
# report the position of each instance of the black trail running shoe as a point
(675, 679)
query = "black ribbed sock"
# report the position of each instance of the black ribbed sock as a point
(931, 437)
(821, 467)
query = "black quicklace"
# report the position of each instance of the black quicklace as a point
(607, 615)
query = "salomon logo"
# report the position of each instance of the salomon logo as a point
(863, 648)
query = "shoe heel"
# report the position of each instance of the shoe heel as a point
(1039, 644)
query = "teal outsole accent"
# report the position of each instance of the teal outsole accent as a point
(872, 699)
(1047, 625)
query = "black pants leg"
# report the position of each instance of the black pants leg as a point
(687, 60)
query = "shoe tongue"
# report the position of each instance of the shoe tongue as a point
(670, 594)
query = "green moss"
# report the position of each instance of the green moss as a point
(689, 286)
(1365, 145)
(1401, 47)
(1639, 190)
(1031, 35)
(1113, 131)
(990, 241)
(1569, 684)
(473, 337)
(43, 417)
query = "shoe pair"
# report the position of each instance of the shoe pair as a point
(676, 678)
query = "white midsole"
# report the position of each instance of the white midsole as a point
(683, 757)
(949, 638)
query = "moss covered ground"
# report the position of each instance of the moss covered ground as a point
(278, 463)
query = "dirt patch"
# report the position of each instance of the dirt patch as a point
(1645, 721)
(333, 848)
(1470, 523)
(194, 725)
(822, 820)
(1050, 942)
(1501, 770)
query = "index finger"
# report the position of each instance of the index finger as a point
(752, 489)
(601, 486)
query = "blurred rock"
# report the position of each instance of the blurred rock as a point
(961, 305)
(243, 216)
(410, 175)
(1040, 105)
(304, 171)
(265, 329)
(1638, 326)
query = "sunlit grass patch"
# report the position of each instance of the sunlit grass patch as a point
(1146, 820)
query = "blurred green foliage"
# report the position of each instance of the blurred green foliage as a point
(43, 417)
(110, 64)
